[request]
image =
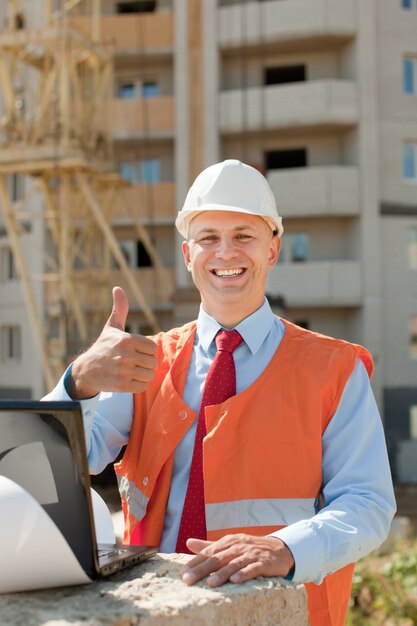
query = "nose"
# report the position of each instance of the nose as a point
(226, 248)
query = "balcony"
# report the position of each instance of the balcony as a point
(94, 288)
(156, 288)
(140, 117)
(316, 191)
(150, 33)
(289, 24)
(329, 104)
(151, 204)
(317, 283)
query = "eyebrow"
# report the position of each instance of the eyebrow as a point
(215, 230)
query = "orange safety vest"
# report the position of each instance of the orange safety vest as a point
(262, 451)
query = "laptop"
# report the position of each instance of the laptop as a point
(42, 449)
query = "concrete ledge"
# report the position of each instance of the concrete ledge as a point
(152, 594)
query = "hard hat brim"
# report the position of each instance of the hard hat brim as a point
(185, 217)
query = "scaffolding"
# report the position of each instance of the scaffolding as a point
(56, 81)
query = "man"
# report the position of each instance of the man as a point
(288, 472)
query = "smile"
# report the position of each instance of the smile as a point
(232, 272)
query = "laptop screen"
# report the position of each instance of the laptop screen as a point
(41, 451)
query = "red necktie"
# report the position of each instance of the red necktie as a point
(220, 384)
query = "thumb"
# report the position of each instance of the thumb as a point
(120, 309)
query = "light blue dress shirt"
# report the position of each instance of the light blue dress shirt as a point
(357, 489)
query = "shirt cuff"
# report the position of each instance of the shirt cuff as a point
(304, 544)
(88, 408)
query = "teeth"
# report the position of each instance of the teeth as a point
(234, 272)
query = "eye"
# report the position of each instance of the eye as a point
(207, 239)
(243, 236)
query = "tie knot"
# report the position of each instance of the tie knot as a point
(228, 340)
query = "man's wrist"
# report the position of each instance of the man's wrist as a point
(69, 382)
(74, 391)
(289, 557)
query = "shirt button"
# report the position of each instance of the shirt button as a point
(182, 414)
(145, 481)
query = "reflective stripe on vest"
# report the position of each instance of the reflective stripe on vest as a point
(258, 512)
(136, 499)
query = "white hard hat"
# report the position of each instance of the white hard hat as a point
(230, 186)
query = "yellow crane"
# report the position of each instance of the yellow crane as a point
(55, 82)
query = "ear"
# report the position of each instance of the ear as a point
(274, 250)
(186, 254)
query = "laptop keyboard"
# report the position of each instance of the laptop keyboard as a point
(102, 553)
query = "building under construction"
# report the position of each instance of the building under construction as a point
(109, 109)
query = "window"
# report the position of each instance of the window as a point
(19, 20)
(410, 162)
(8, 267)
(412, 248)
(135, 254)
(299, 247)
(151, 171)
(147, 171)
(128, 250)
(11, 349)
(413, 421)
(282, 159)
(150, 89)
(126, 91)
(413, 336)
(138, 6)
(143, 258)
(409, 4)
(15, 187)
(284, 74)
(410, 76)
(129, 170)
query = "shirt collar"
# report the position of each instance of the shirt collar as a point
(253, 328)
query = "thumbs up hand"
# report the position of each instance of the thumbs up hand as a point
(117, 361)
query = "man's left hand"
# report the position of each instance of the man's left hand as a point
(236, 558)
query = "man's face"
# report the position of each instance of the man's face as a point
(229, 255)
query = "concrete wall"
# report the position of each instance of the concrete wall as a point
(400, 291)
(397, 110)
(335, 323)
(279, 20)
(397, 38)
(153, 594)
